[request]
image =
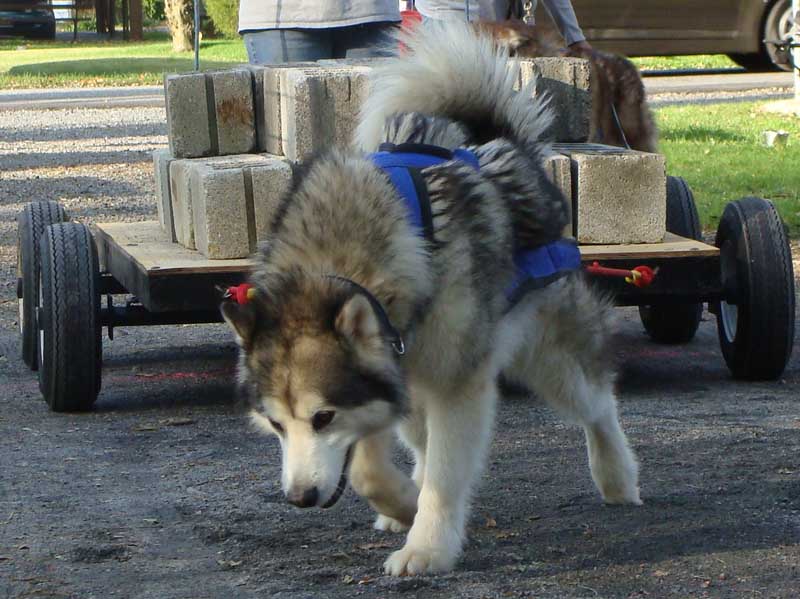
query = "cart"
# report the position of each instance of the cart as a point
(70, 275)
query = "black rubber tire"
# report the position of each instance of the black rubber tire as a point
(775, 26)
(676, 322)
(31, 224)
(70, 358)
(756, 323)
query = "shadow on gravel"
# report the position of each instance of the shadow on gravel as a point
(62, 188)
(24, 161)
(69, 132)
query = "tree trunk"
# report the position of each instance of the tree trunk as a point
(180, 18)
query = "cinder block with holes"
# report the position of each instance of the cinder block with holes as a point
(267, 104)
(558, 170)
(319, 108)
(210, 114)
(619, 195)
(567, 82)
(224, 205)
(161, 162)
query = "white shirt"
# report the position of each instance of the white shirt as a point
(314, 14)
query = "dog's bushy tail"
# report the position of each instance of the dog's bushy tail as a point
(451, 70)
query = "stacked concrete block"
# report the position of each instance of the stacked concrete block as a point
(558, 169)
(161, 162)
(224, 205)
(619, 196)
(215, 194)
(319, 108)
(567, 82)
(267, 105)
(210, 114)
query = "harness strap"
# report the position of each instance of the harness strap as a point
(383, 318)
(539, 267)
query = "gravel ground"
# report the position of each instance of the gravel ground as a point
(164, 491)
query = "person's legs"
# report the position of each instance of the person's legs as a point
(272, 46)
(365, 41)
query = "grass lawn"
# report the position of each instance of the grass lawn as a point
(717, 149)
(26, 64)
(701, 61)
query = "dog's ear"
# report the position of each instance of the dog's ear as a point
(242, 320)
(356, 321)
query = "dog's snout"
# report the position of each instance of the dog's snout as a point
(303, 498)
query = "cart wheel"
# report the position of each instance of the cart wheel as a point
(31, 223)
(756, 322)
(676, 323)
(70, 355)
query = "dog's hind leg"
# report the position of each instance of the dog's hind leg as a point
(374, 476)
(565, 362)
(458, 433)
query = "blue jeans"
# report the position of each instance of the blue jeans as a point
(271, 46)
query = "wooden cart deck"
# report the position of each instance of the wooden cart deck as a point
(166, 276)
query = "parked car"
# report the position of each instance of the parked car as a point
(737, 28)
(27, 18)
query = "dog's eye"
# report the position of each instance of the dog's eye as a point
(276, 425)
(322, 419)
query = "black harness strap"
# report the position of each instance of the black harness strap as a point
(383, 318)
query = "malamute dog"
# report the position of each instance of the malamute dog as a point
(362, 326)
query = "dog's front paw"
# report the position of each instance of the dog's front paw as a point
(411, 560)
(388, 524)
(629, 496)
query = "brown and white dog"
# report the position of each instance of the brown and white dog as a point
(616, 85)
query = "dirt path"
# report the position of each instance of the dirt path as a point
(164, 491)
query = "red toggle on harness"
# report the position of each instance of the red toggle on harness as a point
(641, 276)
(241, 294)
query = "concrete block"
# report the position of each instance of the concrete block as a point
(267, 104)
(271, 182)
(225, 204)
(210, 114)
(161, 162)
(567, 82)
(619, 196)
(355, 62)
(187, 115)
(181, 201)
(558, 170)
(319, 108)
(267, 95)
(235, 120)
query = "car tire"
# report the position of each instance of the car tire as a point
(776, 26)
(676, 322)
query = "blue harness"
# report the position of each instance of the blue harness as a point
(536, 268)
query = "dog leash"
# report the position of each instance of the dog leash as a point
(619, 126)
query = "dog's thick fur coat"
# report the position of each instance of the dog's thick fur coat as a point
(616, 85)
(316, 357)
